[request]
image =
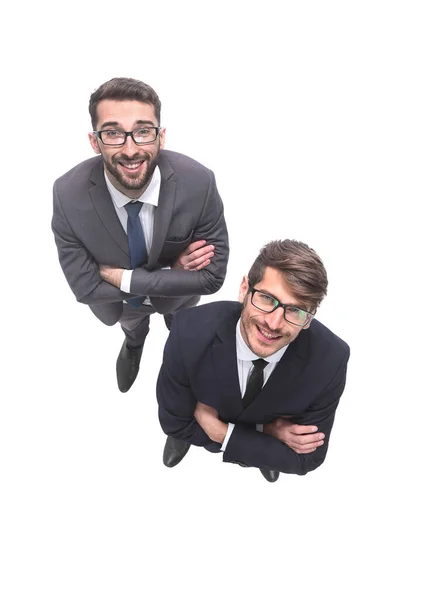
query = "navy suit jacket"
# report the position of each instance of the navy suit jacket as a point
(200, 364)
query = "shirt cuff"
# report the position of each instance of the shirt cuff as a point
(259, 427)
(126, 281)
(227, 437)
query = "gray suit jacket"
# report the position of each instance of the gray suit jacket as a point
(88, 233)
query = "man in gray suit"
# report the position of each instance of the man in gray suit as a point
(138, 229)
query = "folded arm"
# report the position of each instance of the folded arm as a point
(81, 270)
(176, 400)
(208, 280)
(256, 449)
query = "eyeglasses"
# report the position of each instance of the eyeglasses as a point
(292, 314)
(114, 137)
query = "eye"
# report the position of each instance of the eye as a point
(111, 133)
(294, 310)
(267, 299)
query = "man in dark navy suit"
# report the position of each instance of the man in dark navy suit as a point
(260, 379)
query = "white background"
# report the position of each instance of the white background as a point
(311, 116)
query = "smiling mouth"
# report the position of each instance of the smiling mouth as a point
(267, 335)
(132, 166)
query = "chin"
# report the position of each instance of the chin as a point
(132, 185)
(263, 350)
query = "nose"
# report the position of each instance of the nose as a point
(275, 320)
(130, 146)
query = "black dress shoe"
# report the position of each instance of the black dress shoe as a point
(127, 366)
(174, 451)
(269, 475)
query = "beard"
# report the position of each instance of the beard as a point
(128, 181)
(249, 329)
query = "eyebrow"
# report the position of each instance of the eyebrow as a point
(116, 124)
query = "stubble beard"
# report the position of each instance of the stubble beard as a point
(248, 326)
(126, 181)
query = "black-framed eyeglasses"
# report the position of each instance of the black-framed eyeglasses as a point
(292, 314)
(140, 136)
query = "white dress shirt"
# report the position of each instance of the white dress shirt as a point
(150, 198)
(244, 366)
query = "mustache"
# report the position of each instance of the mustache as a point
(135, 157)
(283, 334)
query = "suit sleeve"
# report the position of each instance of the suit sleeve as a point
(257, 449)
(79, 267)
(176, 400)
(171, 282)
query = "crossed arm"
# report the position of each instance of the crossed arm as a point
(99, 284)
(302, 439)
(195, 257)
(270, 450)
(283, 445)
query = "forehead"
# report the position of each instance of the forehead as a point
(126, 113)
(273, 283)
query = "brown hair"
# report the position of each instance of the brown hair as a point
(123, 88)
(301, 267)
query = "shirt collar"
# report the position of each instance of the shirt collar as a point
(244, 352)
(149, 196)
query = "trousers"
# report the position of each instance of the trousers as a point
(135, 321)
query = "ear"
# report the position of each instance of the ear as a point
(162, 135)
(309, 323)
(94, 142)
(244, 289)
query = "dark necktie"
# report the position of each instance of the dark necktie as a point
(255, 381)
(136, 243)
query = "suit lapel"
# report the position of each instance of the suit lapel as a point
(164, 211)
(278, 386)
(104, 206)
(281, 381)
(224, 357)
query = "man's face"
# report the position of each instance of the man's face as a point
(266, 333)
(129, 167)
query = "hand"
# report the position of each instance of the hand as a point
(303, 439)
(207, 417)
(195, 257)
(112, 275)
